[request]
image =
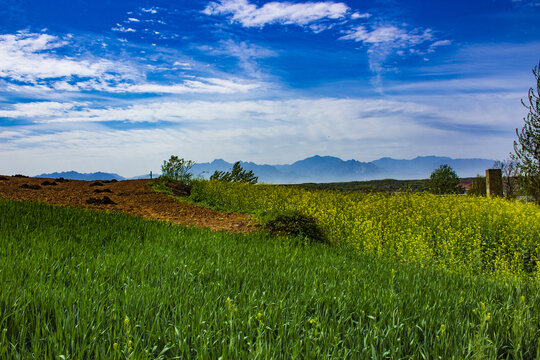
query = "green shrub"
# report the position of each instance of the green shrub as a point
(444, 180)
(294, 223)
(171, 187)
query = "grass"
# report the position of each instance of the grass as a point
(80, 284)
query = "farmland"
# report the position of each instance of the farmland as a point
(102, 285)
(79, 283)
(470, 235)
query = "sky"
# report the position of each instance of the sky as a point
(121, 85)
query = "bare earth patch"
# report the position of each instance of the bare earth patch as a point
(134, 197)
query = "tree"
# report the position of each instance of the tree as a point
(509, 177)
(177, 169)
(478, 187)
(444, 180)
(527, 148)
(237, 174)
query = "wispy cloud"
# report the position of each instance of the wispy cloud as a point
(30, 63)
(285, 13)
(120, 28)
(247, 54)
(383, 41)
(388, 34)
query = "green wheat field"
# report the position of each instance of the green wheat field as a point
(78, 284)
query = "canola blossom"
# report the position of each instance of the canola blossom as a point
(467, 234)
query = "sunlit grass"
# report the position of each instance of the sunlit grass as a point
(92, 285)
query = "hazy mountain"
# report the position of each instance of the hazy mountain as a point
(333, 169)
(73, 175)
(322, 169)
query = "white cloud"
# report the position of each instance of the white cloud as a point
(438, 43)
(24, 57)
(202, 85)
(399, 37)
(29, 58)
(37, 109)
(120, 28)
(133, 20)
(152, 10)
(284, 13)
(357, 15)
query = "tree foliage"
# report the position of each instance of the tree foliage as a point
(478, 187)
(444, 180)
(527, 147)
(509, 177)
(237, 174)
(177, 169)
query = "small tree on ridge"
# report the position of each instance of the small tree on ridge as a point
(177, 169)
(444, 180)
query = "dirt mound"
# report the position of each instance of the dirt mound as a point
(61, 180)
(133, 197)
(4, 178)
(20, 176)
(99, 191)
(96, 183)
(49, 183)
(32, 187)
(105, 201)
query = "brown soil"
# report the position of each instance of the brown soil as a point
(133, 197)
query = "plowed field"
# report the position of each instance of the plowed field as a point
(133, 197)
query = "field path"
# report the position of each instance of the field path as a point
(134, 197)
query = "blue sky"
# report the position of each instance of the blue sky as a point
(119, 86)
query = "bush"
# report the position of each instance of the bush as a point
(237, 174)
(171, 187)
(294, 223)
(177, 169)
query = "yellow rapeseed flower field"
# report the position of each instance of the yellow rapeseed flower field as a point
(466, 234)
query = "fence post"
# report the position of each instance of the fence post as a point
(150, 174)
(494, 184)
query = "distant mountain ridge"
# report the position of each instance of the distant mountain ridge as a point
(323, 169)
(74, 175)
(332, 169)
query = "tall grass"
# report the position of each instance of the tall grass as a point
(84, 285)
(467, 234)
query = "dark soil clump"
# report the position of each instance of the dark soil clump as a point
(96, 183)
(97, 191)
(105, 201)
(180, 189)
(49, 183)
(110, 181)
(3, 178)
(61, 180)
(33, 187)
(20, 176)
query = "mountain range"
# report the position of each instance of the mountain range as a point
(322, 169)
